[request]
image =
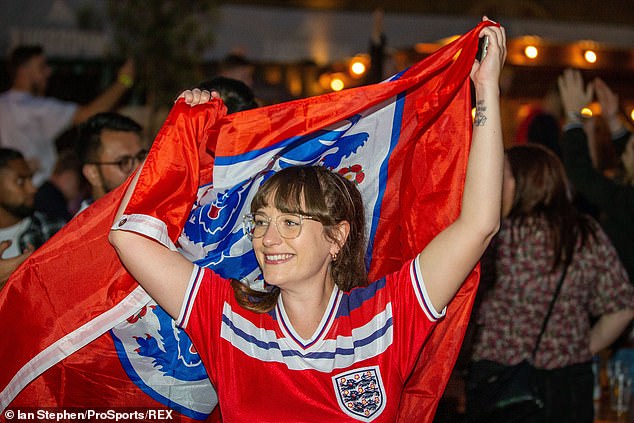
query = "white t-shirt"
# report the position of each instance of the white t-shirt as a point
(13, 233)
(30, 124)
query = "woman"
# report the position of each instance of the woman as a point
(541, 234)
(297, 353)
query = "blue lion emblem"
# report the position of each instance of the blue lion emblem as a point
(177, 356)
(162, 361)
(329, 147)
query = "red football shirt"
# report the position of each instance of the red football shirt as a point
(352, 369)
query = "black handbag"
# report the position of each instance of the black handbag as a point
(498, 393)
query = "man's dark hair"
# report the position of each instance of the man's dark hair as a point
(8, 154)
(236, 95)
(20, 55)
(89, 140)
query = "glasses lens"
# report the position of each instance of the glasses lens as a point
(126, 164)
(247, 225)
(289, 225)
(255, 225)
(141, 155)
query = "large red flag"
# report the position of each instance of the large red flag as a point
(73, 290)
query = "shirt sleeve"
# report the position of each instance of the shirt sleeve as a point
(610, 196)
(612, 290)
(414, 316)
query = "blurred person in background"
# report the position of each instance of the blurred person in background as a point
(59, 195)
(22, 229)
(542, 234)
(110, 147)
(614, 197)
(30, 122)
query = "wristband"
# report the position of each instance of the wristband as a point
(575, 117)
(125, 80)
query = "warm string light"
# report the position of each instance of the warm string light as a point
(590, 56)
(531, 51)
(526, 50)
(357, 68)
(358, 65)
(336, 84)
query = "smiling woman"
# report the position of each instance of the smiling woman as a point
(327, 345)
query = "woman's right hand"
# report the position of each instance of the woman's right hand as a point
(487, 72)
(197, 96)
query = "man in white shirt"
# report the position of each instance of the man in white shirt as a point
(30, 122)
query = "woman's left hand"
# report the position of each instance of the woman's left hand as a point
(488, 70)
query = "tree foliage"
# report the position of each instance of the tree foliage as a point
(167, 39)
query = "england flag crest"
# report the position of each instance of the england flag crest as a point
(360, 393)
(162, 361)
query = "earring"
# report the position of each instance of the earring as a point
(333, 257)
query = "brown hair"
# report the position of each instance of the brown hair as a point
(542, 191)
(329, 198)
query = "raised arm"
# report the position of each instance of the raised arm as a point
(163, 273)
(449, 258)
(110, 97)
(610, 110)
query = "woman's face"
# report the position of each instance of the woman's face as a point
(291, 263)
(508, 189)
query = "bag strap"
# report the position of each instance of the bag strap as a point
(550, 309)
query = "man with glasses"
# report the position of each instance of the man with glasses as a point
(110, 148)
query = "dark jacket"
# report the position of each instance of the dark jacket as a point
(615, 200)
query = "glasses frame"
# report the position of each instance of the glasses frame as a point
(251, 218)
(138, 157)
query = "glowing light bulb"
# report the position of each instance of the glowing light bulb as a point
(531, 52)
(357, 68)
(590, 56)
(586, 112)
(336, 84)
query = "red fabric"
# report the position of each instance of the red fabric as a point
(76, 276)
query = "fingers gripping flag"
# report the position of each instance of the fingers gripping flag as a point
(404, 142)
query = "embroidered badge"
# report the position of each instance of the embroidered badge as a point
(360, 393)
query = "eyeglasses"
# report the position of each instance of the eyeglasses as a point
(289, 225)
(126, 163)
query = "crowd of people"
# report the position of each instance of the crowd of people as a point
(519, 213)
